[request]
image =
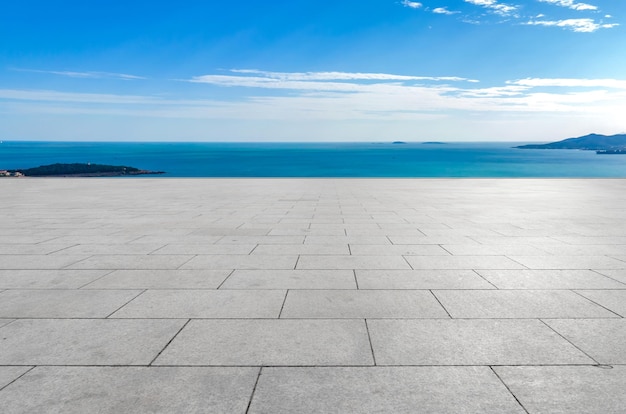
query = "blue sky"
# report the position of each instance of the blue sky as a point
(377, 70)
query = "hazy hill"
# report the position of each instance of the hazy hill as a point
(587, 142)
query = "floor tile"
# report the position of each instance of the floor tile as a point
(62, 303)
(614, 300)
(204, 304)
(549, 279)
(241, 262)
(297, 249)
(584, 389)
(160, 279)
(519, 304)
(421, 279)
(85, 341)
(382, 390)
(602, 339)
(462, 262)
(10, 374)
(362, 304)
(398, 250)
(264, 342)
(132, 261)
(290, 279)
(40, 261)
(470, 342)
(352, 262)
(205, 249)
(131, 389)
(48, 279)
(569, 262)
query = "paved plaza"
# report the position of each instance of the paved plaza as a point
(312, 296)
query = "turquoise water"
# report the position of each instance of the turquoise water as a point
(320, 159)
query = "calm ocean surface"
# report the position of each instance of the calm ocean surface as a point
(320, 159)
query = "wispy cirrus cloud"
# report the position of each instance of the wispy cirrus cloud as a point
(576, 25)
(267, 76)
(571, 4)
(84, 75)
(501, 9)
(570, 82)
(411, 4)
(444, 10)
(513, 13)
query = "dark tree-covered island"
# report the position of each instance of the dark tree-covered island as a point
(81, 170)
(602, 144)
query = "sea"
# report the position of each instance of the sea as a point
(362, 159)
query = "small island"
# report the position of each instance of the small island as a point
(602, 144)
(77, 170)
(433, 143)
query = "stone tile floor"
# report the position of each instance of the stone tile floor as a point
(312, 295)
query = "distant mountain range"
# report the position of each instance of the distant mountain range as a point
(594, 142)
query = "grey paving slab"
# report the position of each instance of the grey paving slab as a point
(239, 261)
(297, 249)
(420, 279)
(130, 389)
(62, 303)
(205, 249)
(48, 279)
(5, 322)
(470, 342)
(270, 342)
(39, 261)
(382, 390)
(398, 250)
(584, 250)
(160, 279)
(463, 262)
(31, 249)
(432, 240)
(307, 232)
(10, 374)
(351, 262)
(584, 389)
(261, 240)
(614, 300)
(570, 262)
(351, 240)
(493, 250)
(621, 240)
(549, 279)
(204, 304)
(110, 249)
(290, 279)
(602, 339)
(519, 304)
(85, 341)
(164, 240)
(362, 304)
(132, 261)
(619, 275)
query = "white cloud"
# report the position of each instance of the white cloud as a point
(320, 106)
(571, 4)
(568, 82)
(444, 10)
(84, 75)
(315, 81)
(576, 25)
(498, 8)
(411, 4)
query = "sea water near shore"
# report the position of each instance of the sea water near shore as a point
(319, 159)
